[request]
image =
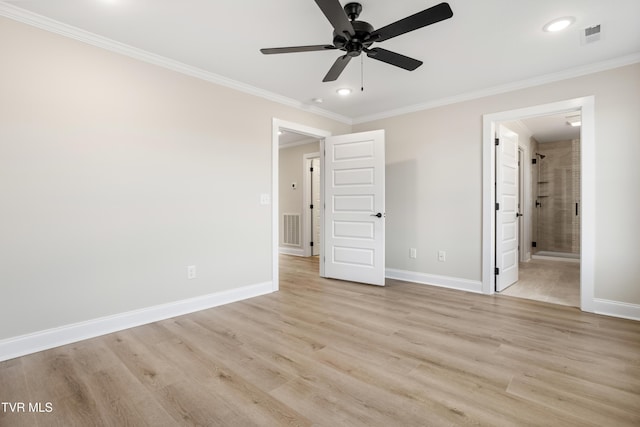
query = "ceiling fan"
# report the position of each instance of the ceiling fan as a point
(354, 37)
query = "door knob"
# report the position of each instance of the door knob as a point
(518, 214)
(379, 215)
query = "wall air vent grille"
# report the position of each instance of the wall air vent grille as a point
(291, 229)
(591, 34)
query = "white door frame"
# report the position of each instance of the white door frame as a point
(278, 125)
(523, 202)
(588, 185)
(307, 232)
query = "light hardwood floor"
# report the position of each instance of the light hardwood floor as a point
(329, 353)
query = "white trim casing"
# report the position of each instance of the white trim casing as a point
(43, 340)
(588, 188)
(600, 306)
(18, 14)
(30, 18)
(571, 73)
(435, 280)
(617, 309)
(292, 251)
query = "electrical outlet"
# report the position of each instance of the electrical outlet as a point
(442, 256)
(413, 253)
(191, 272)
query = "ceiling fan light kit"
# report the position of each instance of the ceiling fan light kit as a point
(354, 37)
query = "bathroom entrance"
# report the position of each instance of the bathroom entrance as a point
(556, 192)
(550, 258)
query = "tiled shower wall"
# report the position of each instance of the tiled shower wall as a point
(556, 178)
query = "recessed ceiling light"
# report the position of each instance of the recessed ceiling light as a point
(317, 100)
(344, 91)
(559, 24)
(575, 123)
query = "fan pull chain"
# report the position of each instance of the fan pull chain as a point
(361, 73)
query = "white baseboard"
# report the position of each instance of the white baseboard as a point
(50, 338)
(555, 258)
(616, 309)
(435, 280)
(292, 251)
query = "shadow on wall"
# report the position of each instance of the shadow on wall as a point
(401, 195)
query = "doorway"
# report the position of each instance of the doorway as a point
(352, 194)
(587, 186)
(278, 127)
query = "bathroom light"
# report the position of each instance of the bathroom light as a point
(559, 24)
(575, 123)
(344, 91)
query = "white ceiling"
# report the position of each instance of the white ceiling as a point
(554, 127)
(290, 139)
(488, 45)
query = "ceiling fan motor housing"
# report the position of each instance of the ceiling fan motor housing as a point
(354, 45)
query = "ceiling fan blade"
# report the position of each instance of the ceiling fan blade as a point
(393, 58)
(434, 14)
(293, 49)
(336, 16)
(337, 68)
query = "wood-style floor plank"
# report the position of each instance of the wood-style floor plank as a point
(329, 353)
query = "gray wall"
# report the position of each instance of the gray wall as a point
(116, 174)
(434, 181)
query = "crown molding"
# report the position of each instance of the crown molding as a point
(509, 87)
(51, 25)
(21, 15)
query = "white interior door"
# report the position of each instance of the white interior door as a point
(506, 209)
(354, 207)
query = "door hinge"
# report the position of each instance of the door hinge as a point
(534, 244)
(534, 161)
(311, 169)
(497, 141)
(497, 206)
(497, 271)
(311, 244)
(310, 206)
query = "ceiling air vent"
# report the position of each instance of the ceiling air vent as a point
(591, 34)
